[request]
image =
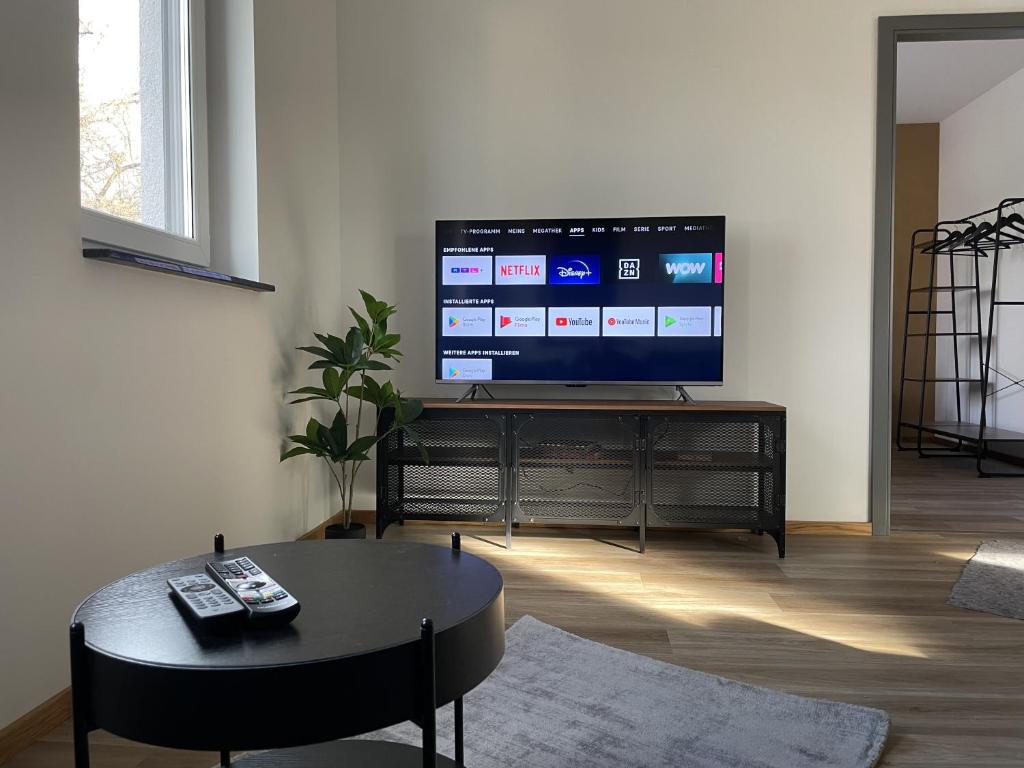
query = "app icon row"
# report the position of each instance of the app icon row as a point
(576, 269)
(581, 321)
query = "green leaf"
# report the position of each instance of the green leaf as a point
(414, 436)
(302, 440)
(361, 445)
(327, 438)
(307, 399)
(353, 346)
(377, 365)
(364, 326)
(368, 301)
(299, 451)
(339, 429)
(309, 391)
(333, 343)
(318, 364)
(319, 351)
(411, 410)
(332, 383)
(313, 430)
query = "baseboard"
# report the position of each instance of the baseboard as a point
(828, 528)
(32, 726)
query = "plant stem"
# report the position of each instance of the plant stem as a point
(356, 464)
(339, 481)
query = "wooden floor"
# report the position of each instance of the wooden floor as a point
(947, 495)
(850, 618)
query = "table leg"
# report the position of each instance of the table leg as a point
(459, 753)
(225, 757)
(79, 696)
(429, 693)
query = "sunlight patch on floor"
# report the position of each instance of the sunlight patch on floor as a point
(704, 608)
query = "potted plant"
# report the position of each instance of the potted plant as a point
(346, 365)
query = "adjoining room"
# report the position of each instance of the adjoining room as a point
(958, 115)
(498, 383)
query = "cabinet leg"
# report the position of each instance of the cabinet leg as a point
(225, 757)
(459, 747)
(780, 541)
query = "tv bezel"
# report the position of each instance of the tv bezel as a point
(578, 382)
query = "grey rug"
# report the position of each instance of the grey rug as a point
(559, 700)
(993, 580)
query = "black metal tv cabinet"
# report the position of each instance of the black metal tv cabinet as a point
(632, 463)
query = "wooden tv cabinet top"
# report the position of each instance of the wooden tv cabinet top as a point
(647, 406)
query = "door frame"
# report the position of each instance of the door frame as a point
(893, 30)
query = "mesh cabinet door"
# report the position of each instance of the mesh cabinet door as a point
(463, 477)
(578, 467)
(715, 471)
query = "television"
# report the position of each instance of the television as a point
(580, 301)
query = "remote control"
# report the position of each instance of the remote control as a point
(266, 601)
(205, 600)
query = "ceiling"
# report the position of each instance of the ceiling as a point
(934, 80)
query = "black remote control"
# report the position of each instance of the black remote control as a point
(267, 602)
(206, 601)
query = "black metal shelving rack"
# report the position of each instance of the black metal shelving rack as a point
(977, 240)
(633, 464)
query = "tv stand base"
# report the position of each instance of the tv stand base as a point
(682, 394)
(471, 393)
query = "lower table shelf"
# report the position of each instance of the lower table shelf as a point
(351, 753)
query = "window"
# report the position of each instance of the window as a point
(142, 127)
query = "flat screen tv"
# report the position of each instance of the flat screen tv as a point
(580, 301)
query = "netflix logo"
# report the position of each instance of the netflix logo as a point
(520, 270)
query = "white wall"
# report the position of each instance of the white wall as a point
(541, 108)
(141, 413)
(981, 162)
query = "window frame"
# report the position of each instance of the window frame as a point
(102, 229)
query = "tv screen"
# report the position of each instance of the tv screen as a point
(580, 301)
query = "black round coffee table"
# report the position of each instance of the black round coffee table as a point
(354, 660)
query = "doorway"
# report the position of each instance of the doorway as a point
(929, 342)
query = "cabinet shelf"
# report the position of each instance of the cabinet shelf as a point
(716, 460)
(446, 456)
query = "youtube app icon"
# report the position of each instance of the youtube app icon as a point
(574, 321)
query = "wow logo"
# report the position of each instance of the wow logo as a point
(686, 267)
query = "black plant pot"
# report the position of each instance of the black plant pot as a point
(338, 531)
